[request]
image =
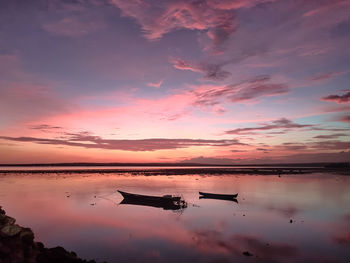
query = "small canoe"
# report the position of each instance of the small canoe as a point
(218, 196)
(160, 199)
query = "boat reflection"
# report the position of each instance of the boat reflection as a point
(220, 198)
(166, 206)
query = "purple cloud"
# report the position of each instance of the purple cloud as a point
(249, 90)
(87, 140)
(331, 145)
(345, 119)
(44, 127)
(327, 76)
(338, 98)
(158, 18)
(330, 136)
(282, 123)
(211, 71)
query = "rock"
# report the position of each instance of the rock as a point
(10, 230)
(59, 255)
(27, 235)
(9, 220)
(17, 246)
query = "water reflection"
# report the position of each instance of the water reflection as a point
(152, 203)
(220, 198)
(207, 230)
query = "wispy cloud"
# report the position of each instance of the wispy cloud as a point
(327, 76)
(324, 7)
(44, 127)
(330, 136)
(87, 140)
(330, 145)
(211, 71)
(313, 146)
(249, 90)
(282, 123)
(155, 84)
(73, 26)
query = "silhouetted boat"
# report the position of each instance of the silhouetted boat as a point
(218, 196)
(162, 199)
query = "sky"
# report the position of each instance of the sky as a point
(207, 81)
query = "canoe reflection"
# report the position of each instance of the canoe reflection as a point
(227, 198)
(166, 206)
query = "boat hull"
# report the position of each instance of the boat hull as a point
(161, 199)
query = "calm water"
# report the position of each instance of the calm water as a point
(82, 213)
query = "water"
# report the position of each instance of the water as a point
(81, 212)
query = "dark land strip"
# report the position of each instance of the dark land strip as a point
(187, 171)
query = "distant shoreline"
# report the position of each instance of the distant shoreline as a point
(321, 164)
(190, 171)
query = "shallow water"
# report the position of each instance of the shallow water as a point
(81, 212)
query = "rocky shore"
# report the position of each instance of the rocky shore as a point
(17, 246)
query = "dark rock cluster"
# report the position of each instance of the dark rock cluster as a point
(17, 246)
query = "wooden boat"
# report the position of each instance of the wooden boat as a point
(162, 199)
(218, 196)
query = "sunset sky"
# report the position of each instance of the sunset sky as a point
(210, 81)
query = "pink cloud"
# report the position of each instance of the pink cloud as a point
(155, 84)
(158, 18)
(235, 4)
(327, 76)
(338, 98)
(325, 7)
